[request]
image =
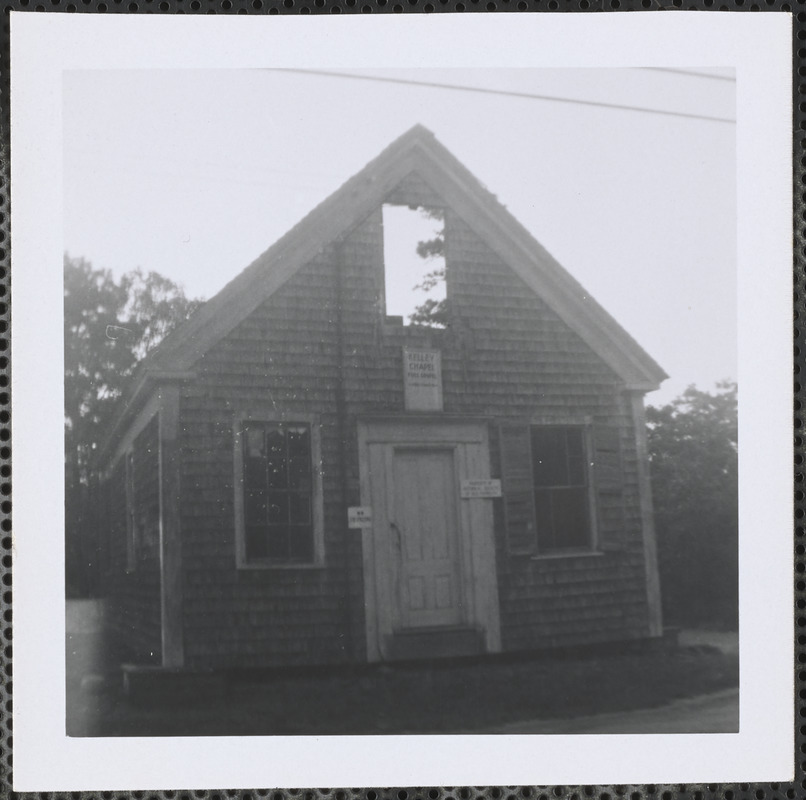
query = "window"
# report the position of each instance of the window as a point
(547, 493)
(414, 264)
(277, 508)
(560, 480)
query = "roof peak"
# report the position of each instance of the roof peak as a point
(418, 129)
(417, 133)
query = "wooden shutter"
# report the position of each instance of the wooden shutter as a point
(518, 488)
(608, 476)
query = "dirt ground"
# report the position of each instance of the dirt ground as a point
(692, 688)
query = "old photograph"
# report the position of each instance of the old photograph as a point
(457, 453)
(401, 401)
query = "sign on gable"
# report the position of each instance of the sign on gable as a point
(422, 379)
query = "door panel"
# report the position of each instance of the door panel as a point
(430, 586)
(423, 526)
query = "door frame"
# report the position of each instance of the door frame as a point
(469, 440)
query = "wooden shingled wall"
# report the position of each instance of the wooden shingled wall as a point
(525, 363)
(282, 358)
(134, 594)
(506, 355)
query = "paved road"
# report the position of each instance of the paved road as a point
(726, 641)
(713, 713)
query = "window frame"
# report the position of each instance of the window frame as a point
(592, 547)
(317, 504)
(527, 423)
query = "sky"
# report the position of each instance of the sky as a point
(194, 173)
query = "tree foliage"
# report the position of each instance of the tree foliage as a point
(693, 445)
(432, 313)
(109, 327)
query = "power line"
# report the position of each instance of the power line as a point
(505, 93)
(692, 73)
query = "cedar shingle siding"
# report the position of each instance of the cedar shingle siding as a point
(320, 346)
(135, 593)
(507, 355)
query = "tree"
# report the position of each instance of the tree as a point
(693, 446)
(432, 313)
(109, 327)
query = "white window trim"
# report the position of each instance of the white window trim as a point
(592, 549)
(271, 416)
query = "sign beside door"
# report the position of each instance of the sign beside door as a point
(480, 487)
(359, 517)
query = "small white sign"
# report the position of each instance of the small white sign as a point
(359, 517)
(481, 487)
(422, 379)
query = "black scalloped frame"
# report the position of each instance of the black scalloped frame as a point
(721, 791)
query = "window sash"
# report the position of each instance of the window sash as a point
(560, 484)
(563, 518)
(277, 521)
(548, 492)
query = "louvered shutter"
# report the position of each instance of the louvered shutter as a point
(518, 488)
(608, 476)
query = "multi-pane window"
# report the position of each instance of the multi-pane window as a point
(561, 496)
(277, 492)
(546, 485)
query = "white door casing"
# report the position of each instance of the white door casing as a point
(429, 557)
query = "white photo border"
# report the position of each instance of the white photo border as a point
(758, 46)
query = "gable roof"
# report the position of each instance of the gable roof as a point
(419, 150)
(416, 150)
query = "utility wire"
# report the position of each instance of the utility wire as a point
(504, 93)
(693, 73)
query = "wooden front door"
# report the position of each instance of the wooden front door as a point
(430, 587)
(424, 538)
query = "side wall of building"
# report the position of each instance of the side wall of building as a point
(321, 345)
(133, 581)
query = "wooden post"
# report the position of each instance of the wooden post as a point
(173, 654)
(647, 515)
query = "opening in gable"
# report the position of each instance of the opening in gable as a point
(414, 264)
